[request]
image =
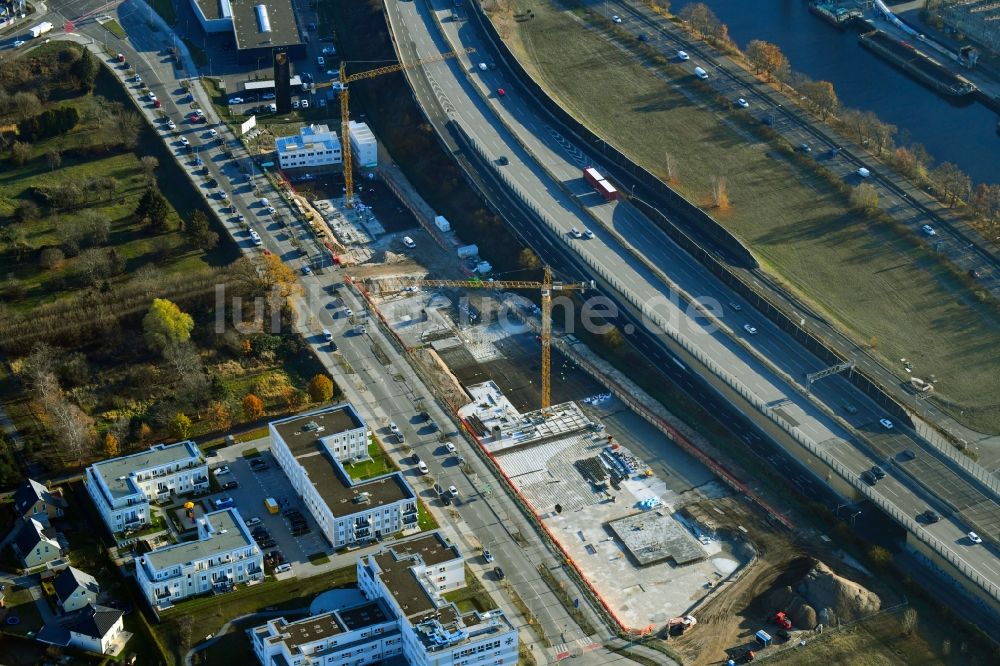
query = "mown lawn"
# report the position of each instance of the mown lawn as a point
(885, 289)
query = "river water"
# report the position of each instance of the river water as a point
(965, 135)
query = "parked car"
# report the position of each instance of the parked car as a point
(450, 447)
(305, 104)
(253, 522)
(487, 555)
(453, 490)
(422, 466)
(445, 499)
(267, 543)
(230, 485)
(219, 471)
(498, 572)
(282, 568)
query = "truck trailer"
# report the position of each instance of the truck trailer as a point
(40, 29)
(607, 190)
(592, 176)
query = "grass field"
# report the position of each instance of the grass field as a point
(885, 290)
(875, 643)
(115, 28)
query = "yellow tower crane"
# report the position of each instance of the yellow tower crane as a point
(547, 286)
(342, 83)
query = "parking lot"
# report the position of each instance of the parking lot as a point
(254, 486)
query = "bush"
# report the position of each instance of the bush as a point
(51, 122)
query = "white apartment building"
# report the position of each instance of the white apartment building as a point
(364, 147)
(315, 146)
(122, 488)
(224, 556)
(310, 449)
(404, 614)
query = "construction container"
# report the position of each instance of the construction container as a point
(441, 223)
(272, 505)
(467, 251)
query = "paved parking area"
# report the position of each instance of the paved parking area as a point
(253, 488)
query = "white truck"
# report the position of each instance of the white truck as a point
(40, 29)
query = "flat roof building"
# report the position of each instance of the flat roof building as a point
(404, 614)
(310, 449)
(314, 146)
(258, 26)
(223, 556)
(122, 487)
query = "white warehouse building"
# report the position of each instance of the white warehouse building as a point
(404, 616)
(364, 147)
(224, 555)
(311, 447)
(315, 146)
(122, 488)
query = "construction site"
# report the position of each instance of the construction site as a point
(667, 548)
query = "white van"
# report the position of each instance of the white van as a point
(264, 202)
(327, 335)
(864, 173)
(408, 242)
(700, 73)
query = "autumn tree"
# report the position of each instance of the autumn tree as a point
(701, 18)
(166, 323)
(864, 198)
(219, 416)
(50, 257)
(180, 426)
(821, 96)
(720, 192)
(320, 389)
(528, 260)
(111, 449)
(952, 182)
(74, 429)
(880, 557)
(253, 407)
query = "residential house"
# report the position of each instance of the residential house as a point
(34, 500)
(93, 628)
(75, 589)
(35, 544)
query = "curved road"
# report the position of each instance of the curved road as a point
(546, 176)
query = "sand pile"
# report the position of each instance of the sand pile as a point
(822, 596)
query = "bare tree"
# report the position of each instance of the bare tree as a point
(149, 164)
(74, 429)
(909, 620)
(720, 192)
(54, 159)
(670, 165)
(20, 153)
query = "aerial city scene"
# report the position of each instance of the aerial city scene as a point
(479, 332)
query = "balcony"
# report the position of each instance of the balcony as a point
(409, 519)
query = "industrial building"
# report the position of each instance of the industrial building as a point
(258, 26)
(311, 449)
(314, 147)
(122, 488)
(404, 615)
(224, 555)
(364, 147)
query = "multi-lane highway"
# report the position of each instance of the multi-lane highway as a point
(542, 170)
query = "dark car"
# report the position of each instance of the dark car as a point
(907, 454)
(445, 498)
(930, 517)
(503, 161)
(805, 148)
(416, 459)
(878, 472)
(229, 485)
(974, 274)
(869, 478)
(498, 572)
(643, 37)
